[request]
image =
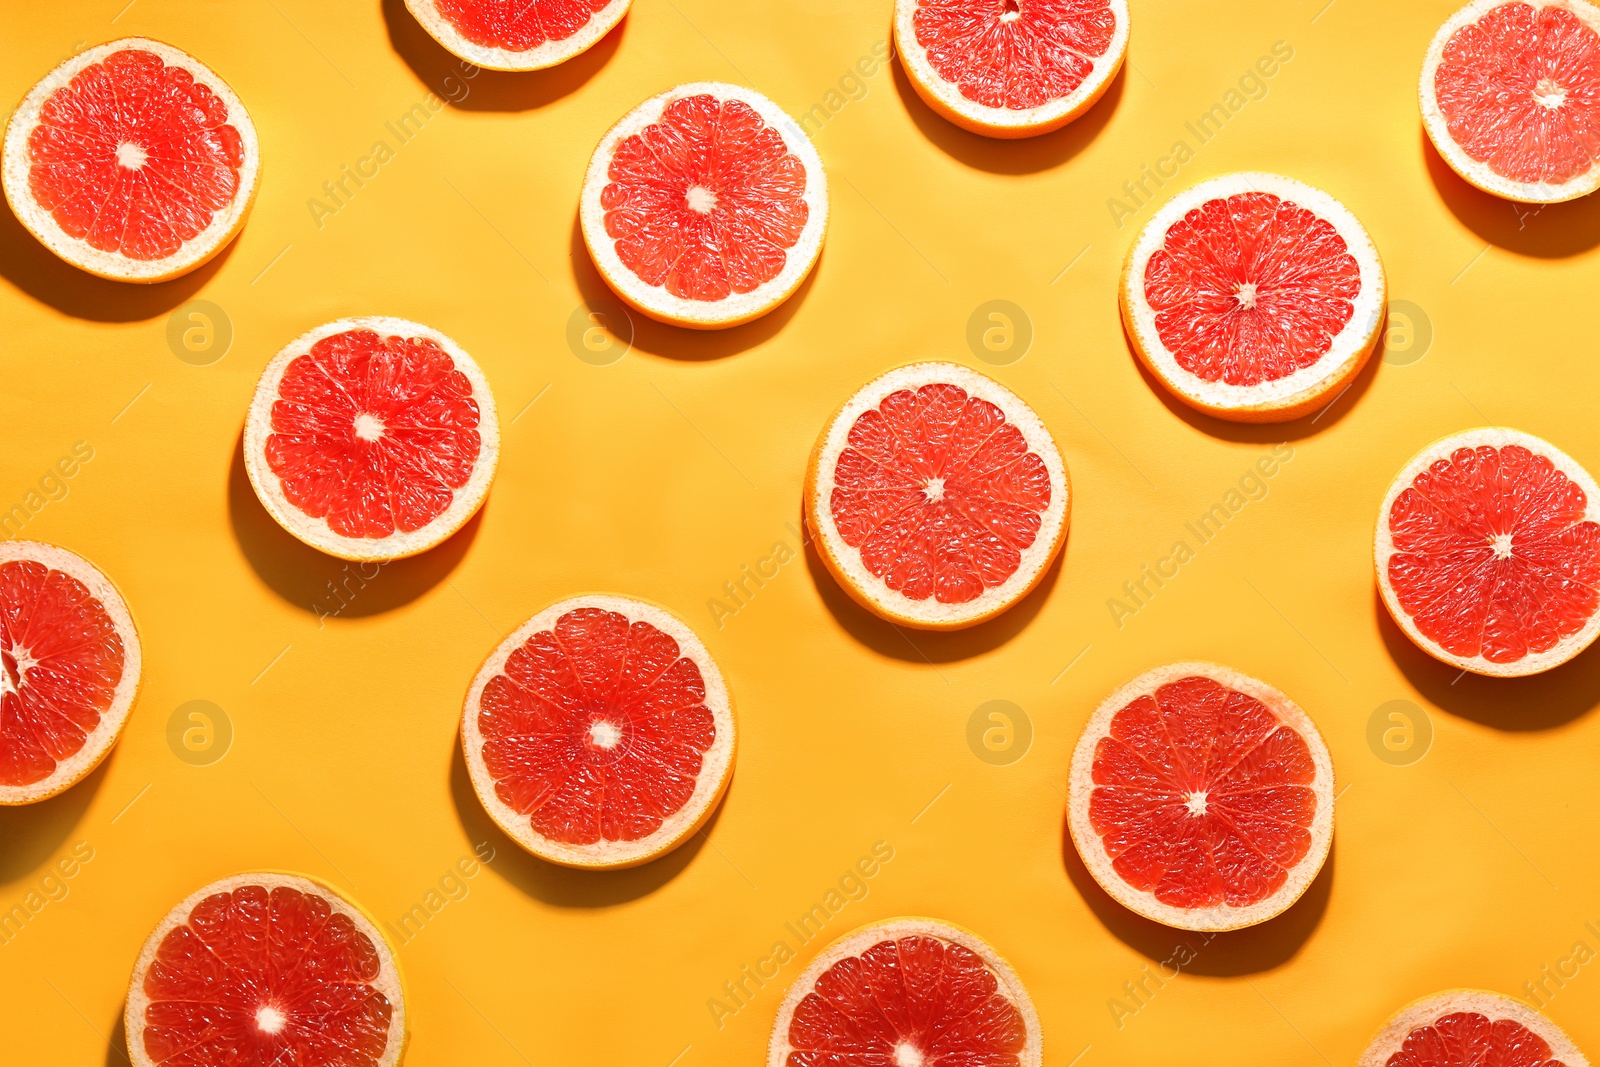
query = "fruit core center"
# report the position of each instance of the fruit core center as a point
(907, 1055)
(1010, 10)
(701, 199)
(1548, 93)
(270, 1020)
(933, 490)
(1196, 803)
(1502, 545)
(131, 156)
(368, 427)
(10, 674)
(1246, 295)
(604, 734)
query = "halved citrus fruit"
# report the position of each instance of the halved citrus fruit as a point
(1470, 1028)
(1254, 297)
(936, 497)
(600, 733)
(372, 438)
(1511, 97)
(69, 669)
(1488, 552)
(266, 968)
(517, 34)
(132, 160)
(907, 992)
(1011, 68)
(705, 206)
(1201, 798)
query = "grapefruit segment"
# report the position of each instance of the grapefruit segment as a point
(1488, 552)
(1468, 1028)
(1201, 798)
(132, 160)
(600, 733)
(1254, 297)
(517, 34)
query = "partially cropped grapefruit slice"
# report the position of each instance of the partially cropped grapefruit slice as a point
(1254, 297)
(907, 993)
(69, 669)
(936, 497)
(518, 34)
(1488, 552)
(705, 206)
(1011, 68)
(1511, 97)
(1470, 1028)
(132, 160)
(266, 968)
(372, 438)
(1201, 798)
(600, 733)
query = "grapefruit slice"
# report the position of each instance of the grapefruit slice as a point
(936, 497)
(1011, 68)
(600, 733)
(705, 206)
(1488, 553)
(1469, 1028)
(1254, 297)
(517, 34)
(1201, 798)
(907, 993)
(69, 669)
(372, 438)
(1511, 97)
(132, 160)
(266, 968)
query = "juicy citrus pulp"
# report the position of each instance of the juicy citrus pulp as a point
(1015, 53)
(1470, 1028)
(517, 34)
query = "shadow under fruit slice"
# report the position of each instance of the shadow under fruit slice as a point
(600, 733)
(1201, 798)
(1470, 1028)
(517, 34)
(266, 968)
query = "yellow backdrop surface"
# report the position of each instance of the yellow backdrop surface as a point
(333, 697)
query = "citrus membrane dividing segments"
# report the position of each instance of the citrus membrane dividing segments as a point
(266, 968)
(1510, 96)
(907, 992)
(600, 733)
(1011, 68)
(1470, 1028)
(936, 497)
(1254, 297)
(1201, 798)
(132, 160)
(372, 438)
(705, 206)
(517, 34)
(1488, 552)
(69, 669)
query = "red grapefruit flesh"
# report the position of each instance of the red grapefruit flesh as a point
(1201, 798)
(69, 669)
(1511, 97)
(907, 993)
(1471, 1028)
(265, 969)
(372, 439)
(132, 160)
(600, 733)
(1488, 552)
(517, 34)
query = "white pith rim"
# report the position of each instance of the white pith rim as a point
(540, 56)
(716, 763)
(1493, 1006)
(1287, 397)
(80, 253)
(860, 940)
(389, 981)
(1091, 847)
(315, 531)
(945, 96)
(99, 741)
(1495, 437)
(735, 308)
(1481, 175)
(845, 561)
